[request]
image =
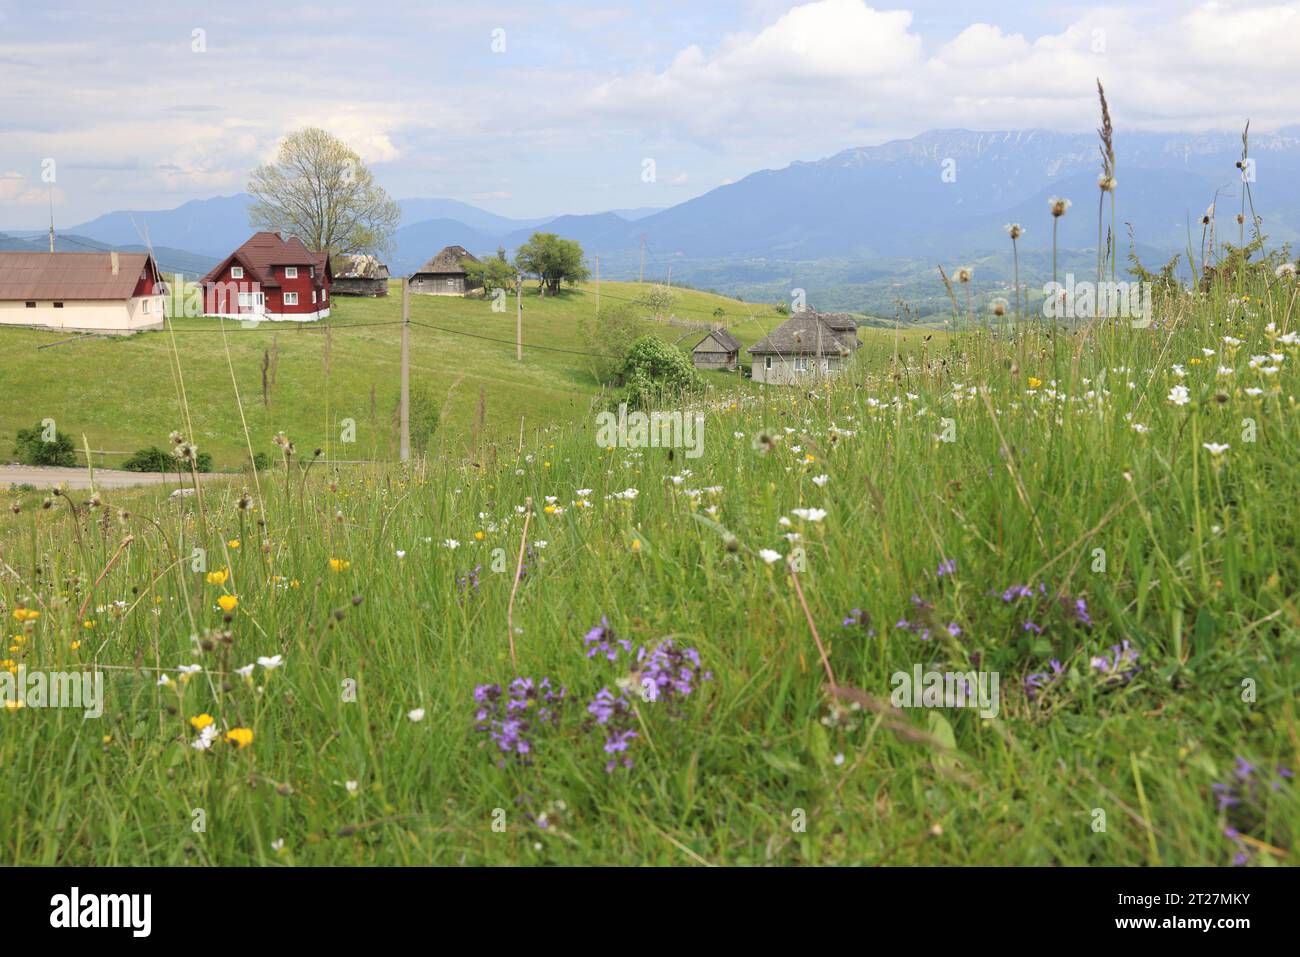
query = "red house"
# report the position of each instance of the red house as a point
(270, 278)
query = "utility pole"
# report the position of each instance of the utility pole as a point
(642, 279)
(51, 217)
(598, 285)
(670, 276)
(519, 318)
(817, 362)
(406, 370)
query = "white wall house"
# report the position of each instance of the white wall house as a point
(81, 292)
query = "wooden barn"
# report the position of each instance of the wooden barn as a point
(718, 350)
(444, 274)
(359, 276)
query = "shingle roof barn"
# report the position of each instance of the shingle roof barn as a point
(265, 250)
(724, 338)
(72, 276)
(450, 260)
(798, 336)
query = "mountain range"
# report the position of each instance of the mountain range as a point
(838, 225)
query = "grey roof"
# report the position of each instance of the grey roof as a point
(798, 335)
(729, 342)
(449, 260)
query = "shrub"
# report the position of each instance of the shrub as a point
(154, 459)
(656, 371)
(41, 446)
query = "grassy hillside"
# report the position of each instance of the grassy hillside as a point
(1101, 519)
(122, 394)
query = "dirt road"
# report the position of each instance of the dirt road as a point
(43, 476)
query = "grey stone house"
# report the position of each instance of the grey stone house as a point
(718, 350)
(359, 276)
(804, 347)
(444, 274)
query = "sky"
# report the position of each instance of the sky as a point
(535, 108)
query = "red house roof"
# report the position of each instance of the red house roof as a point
(264, 251)
(72, 276)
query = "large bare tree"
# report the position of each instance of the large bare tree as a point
(319, 190)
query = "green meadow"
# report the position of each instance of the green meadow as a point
(564, 653)
(122, 393)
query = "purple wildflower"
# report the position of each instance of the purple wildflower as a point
(601, 640)
(613, 712)
(468, 582)
(946, 567)
(511, 721)
(1122, 668)
(668, 672)
(1039, 680)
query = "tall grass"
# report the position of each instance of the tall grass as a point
(348, 574)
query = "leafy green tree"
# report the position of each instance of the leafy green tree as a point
(658, 298)
(494, 273)
(319, 190)
(552, 260)
(607, 339)
(656, 372)
(42, 446)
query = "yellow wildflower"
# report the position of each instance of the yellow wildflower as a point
(339, 564)
(218, 578)
(241, 737)
(1035, 382)
(233, 543)
(228, 603)
(200, 721)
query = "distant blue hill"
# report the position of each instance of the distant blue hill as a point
(942, 196)
(170, 261)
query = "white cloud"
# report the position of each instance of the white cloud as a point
(825, 70)
(18, 190)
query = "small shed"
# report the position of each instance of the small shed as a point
(444, 274)
(360, 276)
(718, 350)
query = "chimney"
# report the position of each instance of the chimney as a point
(113, 259)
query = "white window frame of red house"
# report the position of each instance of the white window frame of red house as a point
(291, 299)
(313, 297)
(236, 272)
(324, 295)
(767, 362)
(252, 300)
(290, 272)
(800, 363)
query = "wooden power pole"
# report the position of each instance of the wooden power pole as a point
(519, 318)
(597, 285)
(406, 370)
